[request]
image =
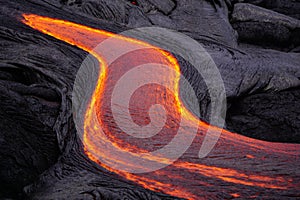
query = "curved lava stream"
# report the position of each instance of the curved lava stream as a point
(238, 166)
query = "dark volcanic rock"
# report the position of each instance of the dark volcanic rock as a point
(287, 7)
(202, 20)
(40, 148)
(262, 27)
(276, 120)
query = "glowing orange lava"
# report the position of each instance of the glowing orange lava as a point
(237, 165)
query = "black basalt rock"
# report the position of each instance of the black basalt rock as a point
(41, 156)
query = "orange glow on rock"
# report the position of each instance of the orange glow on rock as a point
(249, 156)
(235, 195)
(190, 176)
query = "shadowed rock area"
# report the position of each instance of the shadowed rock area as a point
(255, 45)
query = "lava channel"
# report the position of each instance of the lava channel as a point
(238, 166)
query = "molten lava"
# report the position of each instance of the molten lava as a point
(238, 166)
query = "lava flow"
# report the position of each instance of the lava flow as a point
(238, 166)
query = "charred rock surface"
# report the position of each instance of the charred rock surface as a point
(41, 156)
(289, 8)
(262, 27)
